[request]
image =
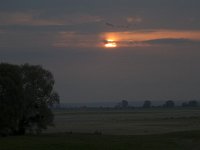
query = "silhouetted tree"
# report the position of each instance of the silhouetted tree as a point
(124, 103)
(11, 97)
(26, 92)
(193, 103)
(147, 104)
(169, 104)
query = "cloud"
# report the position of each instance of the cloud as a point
(75, 39)
(93, 37)
(153, 37)
(171, 14)
(171, 41)
(34, 18)
(126, 39)
(20, 18)
(19, 40)
(134, 19)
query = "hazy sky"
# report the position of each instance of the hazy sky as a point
(157, 53)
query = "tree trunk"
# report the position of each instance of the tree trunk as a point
(21, 128)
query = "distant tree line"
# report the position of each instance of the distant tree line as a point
(167, 104)
(171, 104)
(192, 103)
(122, 104)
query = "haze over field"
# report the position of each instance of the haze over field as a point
(107, 50)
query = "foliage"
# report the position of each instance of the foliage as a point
(169, 104)
(122, 104)
(26, 92)
(147, 104)
(191, 103)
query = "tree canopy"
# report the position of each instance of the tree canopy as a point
(169, 104)
(26, 94)
(147, 104)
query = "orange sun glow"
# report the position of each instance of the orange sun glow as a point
(110, 43)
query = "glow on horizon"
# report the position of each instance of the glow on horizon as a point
(121, 39)
(110, 43)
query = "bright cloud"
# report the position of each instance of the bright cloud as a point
(127, 39)
(143, 38)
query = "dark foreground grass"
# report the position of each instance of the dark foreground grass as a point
(189, 140)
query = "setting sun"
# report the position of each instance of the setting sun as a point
(110, 43)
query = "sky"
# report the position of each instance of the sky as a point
(107, 50)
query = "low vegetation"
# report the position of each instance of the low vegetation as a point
(127, 122)
(174, 141)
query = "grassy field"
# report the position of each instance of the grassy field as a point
(139, 129)
(189, 140)
(127, 122)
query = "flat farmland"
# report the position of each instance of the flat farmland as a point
(126, 122)
(140, 129)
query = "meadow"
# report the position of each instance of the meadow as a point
(138, 129)
(188, 140)
(127, 122)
